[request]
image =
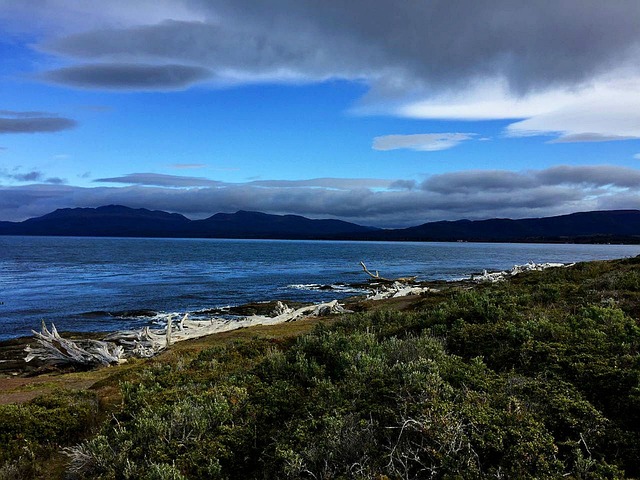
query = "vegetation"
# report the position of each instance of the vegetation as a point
(538, 377)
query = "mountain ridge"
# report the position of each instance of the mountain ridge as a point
(600, 226)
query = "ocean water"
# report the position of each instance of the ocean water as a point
(88, 284)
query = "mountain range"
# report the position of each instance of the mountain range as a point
(120, 221)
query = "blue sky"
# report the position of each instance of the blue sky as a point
(373, 112)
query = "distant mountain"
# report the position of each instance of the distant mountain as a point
(244, 224)
(108, 221)
(597, 226)
(119, 221)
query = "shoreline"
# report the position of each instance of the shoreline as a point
(12, 351)
(149, 341)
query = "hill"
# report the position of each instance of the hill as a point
(120, 221)
(619, 226)
(596, 226)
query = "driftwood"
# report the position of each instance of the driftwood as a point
(148, 342)
(55, 350)
(382, 288)
(378, 278)
(492, 277)
(398, 289)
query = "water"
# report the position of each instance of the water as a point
(84, 284)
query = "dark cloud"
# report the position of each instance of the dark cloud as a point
(125, 76)
(27, 177)
(32, 176)
(33, 122)
(592, 176)
(396, 46)
(403, 185)
(467, 194)
(595, 175)
(55, 180)
(478, 180)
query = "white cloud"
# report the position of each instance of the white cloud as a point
(487, 99)
(606, 111)
(637, 156)
(424, 142)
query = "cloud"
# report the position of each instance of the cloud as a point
(436, 44)
(161, 180)
(31, 176)
(188, 166)
(423, 46)
(329, 183)
(485, 99)
(596, 176)
(590, 137)
(425, 142)
(466, 194)
(403, 185)
(637, 156)
(566, 69)
(179, 181)
(27, 177)
(124, 76)
(33, 122)
(606, 111)
(478, 180)
(570, 175)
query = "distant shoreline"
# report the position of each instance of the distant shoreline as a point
(534, 241)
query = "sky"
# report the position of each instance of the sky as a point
(377, 112)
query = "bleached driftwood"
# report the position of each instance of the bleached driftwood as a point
(148, 342)
(378, 278)
(55, 350)
(383, 288)
(398, 289)
(503, 275)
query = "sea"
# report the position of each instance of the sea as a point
(106, 284)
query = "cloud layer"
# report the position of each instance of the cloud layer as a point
(380, 202)
(122, 76)
(33, 122)
(425, 142)
(30, 176)
(568, 68)
(433, 43)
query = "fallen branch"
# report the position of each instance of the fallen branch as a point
(398, 289)
(378, 278)
(493, 277)
(55, 350)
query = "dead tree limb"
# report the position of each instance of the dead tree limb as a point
(55, 350)
(378, 278)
